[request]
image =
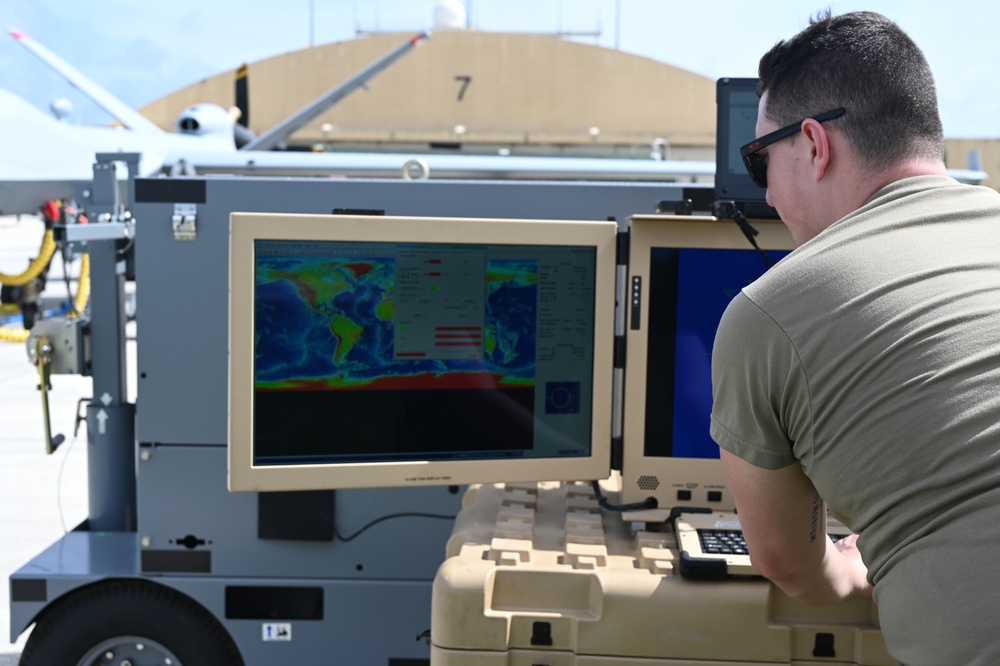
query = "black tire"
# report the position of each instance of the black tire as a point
(137, 621)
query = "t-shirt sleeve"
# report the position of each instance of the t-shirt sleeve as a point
(757, 387)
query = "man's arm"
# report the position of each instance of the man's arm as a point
(784, 523)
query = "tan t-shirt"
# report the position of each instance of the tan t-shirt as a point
(871, 354)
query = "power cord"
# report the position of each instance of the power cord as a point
(741, 221)
(375, 522)
(648, 503)
(62, 465)
(69, 288)
(725, 209)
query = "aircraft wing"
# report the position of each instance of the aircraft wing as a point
(286, 128)
(419, 166)
(974, 174)
(121, 111)
(969, 176)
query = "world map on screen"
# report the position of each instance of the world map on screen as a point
(330, 322)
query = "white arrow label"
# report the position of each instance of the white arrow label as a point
(102, 420)
(280, 631)
(106, 399)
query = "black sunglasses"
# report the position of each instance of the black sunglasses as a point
(756, 163)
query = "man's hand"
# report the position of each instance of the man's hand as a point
(784, 523)
(848, 548)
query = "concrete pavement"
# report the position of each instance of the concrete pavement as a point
(41, 496)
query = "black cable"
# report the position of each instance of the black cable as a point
(69, 288)
(394, 515)
(648, 503)
(128, 246)
(741, 221)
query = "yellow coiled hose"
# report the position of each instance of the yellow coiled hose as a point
(82, 287)
(7, 335)
(79, 303)
(36, 267)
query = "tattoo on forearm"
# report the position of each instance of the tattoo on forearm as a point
(817, 515)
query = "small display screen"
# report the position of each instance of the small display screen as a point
(688, 292)
(742, 126)
(382, 352)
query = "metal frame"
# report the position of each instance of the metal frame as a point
(159, 509)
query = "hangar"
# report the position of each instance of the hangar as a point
(476, 92)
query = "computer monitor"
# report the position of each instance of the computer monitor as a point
(385, 352)
(736, 124)
(683, 272)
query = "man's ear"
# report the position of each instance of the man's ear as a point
(819, 145)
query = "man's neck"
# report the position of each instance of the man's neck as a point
(872, 183)
(854, 187)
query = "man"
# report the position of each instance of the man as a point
(864, 368)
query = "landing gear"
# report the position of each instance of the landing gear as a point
(129, 623)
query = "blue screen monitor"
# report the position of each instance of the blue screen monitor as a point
(683, 273)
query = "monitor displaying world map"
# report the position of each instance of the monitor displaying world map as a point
(401, 352)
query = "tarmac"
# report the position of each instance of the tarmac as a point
(41, 496)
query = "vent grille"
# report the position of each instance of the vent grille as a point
(648, 483)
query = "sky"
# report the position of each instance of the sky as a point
(142, 50)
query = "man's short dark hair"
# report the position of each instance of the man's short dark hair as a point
(865, 63)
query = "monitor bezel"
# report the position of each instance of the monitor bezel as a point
(671, 474)
(246, 228)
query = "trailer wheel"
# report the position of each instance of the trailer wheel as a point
(129, 623)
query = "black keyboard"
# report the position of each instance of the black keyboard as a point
(722, 542)
(729, 542)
